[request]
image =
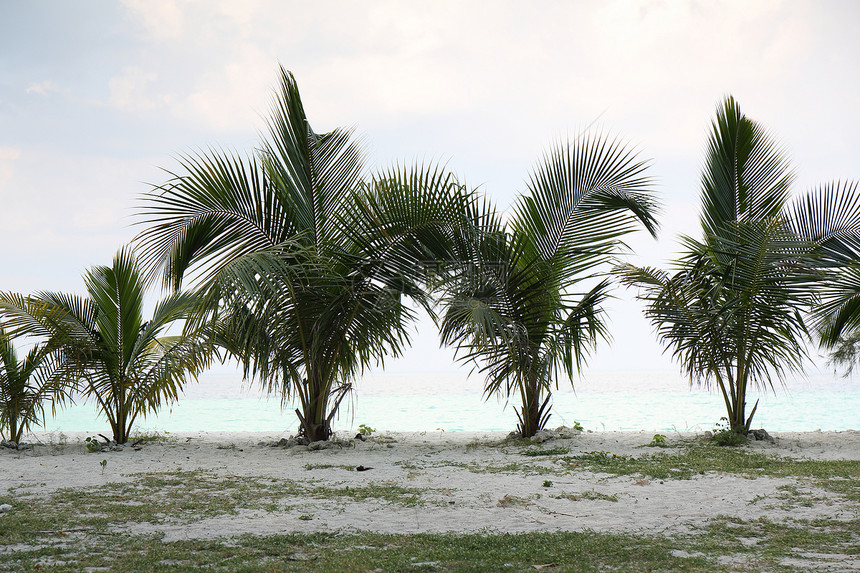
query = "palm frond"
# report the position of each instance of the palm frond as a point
(746, 176)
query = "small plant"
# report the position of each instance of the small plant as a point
(103, 464)
(724, 436)
(365, 430)
(547, 483)
(512, 500)
(534, 452)
(92, 444)
(153, 437)
(590, 495)
(577, 426)
(306, 516)
(729, 438)
(658, 441)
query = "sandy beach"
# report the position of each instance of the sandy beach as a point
(459, 482)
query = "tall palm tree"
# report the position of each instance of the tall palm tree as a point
(733, 310)
(27, 386)
(302, 260)
(528, 304)
(122, 361)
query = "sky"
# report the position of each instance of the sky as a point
(98, 98)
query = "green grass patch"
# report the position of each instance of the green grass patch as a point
(151, 438)
(590, 495)
(586, 551)
(723, 545)
(179, 496)
(75, 529)
(838, 476)
(310, 467)
(534, 452)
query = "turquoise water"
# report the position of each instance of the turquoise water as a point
(650, 401)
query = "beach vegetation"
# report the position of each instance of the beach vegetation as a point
(839, 477)
(366, 431)
(151, 437)
(729, 438)
(30, 384)
(720, 545)
(526, 308)
(589, 495)
(78, 528)
(307, 266)
(348, 468)
(734, 310)
(126, 364)
(658, 441)
(545, 451)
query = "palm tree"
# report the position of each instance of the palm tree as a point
(831, 219)
(522, 309)
(732, 311)
(304, 263)
(28, 385)
(122, 362)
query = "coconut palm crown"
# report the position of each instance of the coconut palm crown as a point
(303, 260)
(527, 305)
(734, 309)
(117, 358)
(30, 384)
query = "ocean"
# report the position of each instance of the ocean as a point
(658, 401)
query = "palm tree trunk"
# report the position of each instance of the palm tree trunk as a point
(15, 430)
(314, 423)
(737, 417)
(530, 413)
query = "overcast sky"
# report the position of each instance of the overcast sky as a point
(97, 97)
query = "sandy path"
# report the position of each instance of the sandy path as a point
(453, 472)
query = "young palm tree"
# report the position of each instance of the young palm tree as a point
(732, 311)
(830, 218)
(28, 385)
(303, 262)
(522, 309)
(123, 362)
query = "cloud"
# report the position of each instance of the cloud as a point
(163, 19)
(128, 91)
(233, 95)
(42, 88)
(8, 157)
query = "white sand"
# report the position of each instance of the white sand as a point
(438, 463)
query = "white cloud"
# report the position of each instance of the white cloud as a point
(8, 157)
(163, 19)
(233, 95)
(42, 88)
(128, 91)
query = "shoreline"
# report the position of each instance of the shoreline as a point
(817, 444)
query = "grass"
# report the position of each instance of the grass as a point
(838, 476)
(589, 495)
(78, 529)
(841, 477)
(311, 467)
(534, 452)
(179, 496)
(722, 545)
(151, 438)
